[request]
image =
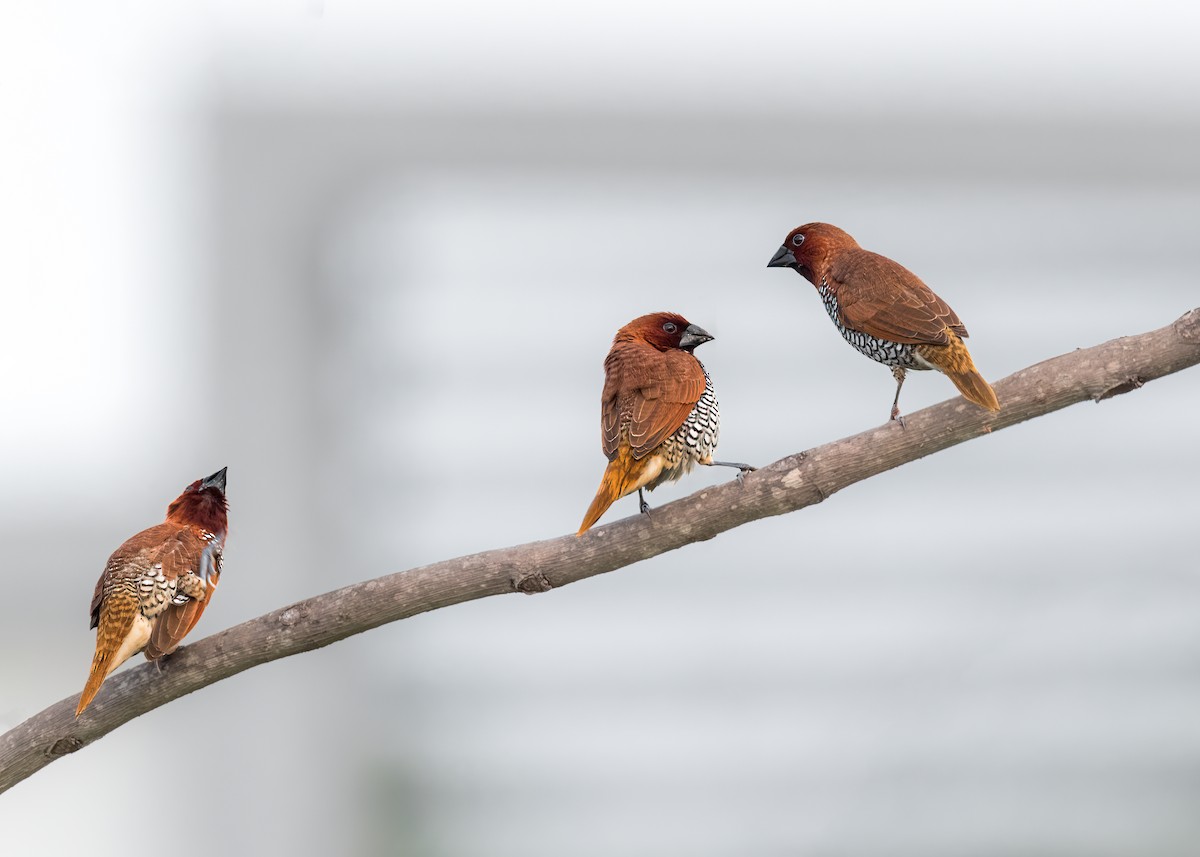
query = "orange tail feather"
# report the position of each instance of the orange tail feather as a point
(117, 638)
(624, 475)
(975, 389)
(954, 360)
(95, 678)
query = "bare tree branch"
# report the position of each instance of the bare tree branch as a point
(789, 484)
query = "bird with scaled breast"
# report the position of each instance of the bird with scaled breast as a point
(884, 310)
(155, 586)
(658, 412)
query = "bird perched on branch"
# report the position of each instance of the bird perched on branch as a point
(884, 310)
(157, 584)
(658, 412)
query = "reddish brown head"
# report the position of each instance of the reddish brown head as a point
(202, 504)
(809, 249)
(663, 330)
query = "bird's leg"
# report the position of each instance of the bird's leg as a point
(643, 506)
(898, 373)
(743, 469)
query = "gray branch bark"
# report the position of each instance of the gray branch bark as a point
(800, 480)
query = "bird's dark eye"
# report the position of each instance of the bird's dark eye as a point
(797, 240)
(670, 327)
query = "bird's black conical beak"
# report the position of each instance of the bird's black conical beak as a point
(783, 258)
(217, 480)
(693, 336)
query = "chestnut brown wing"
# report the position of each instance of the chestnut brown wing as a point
(647, 396)
(132, 557)
(175, 623)
(180, 554)
(882, 298)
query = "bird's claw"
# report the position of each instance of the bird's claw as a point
(897, 418)
(743, 469)
(644, 508)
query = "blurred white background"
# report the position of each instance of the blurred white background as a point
(371, 258)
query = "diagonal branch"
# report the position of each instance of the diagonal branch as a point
(791, 483)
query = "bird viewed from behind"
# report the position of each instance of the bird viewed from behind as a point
(156, 585)
(884, 310)
(658, 412)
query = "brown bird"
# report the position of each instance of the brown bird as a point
(658, 412)
(157, 584)
(884, 310)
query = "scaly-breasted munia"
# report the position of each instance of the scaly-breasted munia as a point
(157, 584)
(884, 310)
(658, 412)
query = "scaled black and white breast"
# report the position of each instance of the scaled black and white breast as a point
(880, 350)
(695, 440)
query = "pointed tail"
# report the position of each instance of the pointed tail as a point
(621, 477)
(975, 389)
(95, 678)
(954, 360)
(116, 641)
